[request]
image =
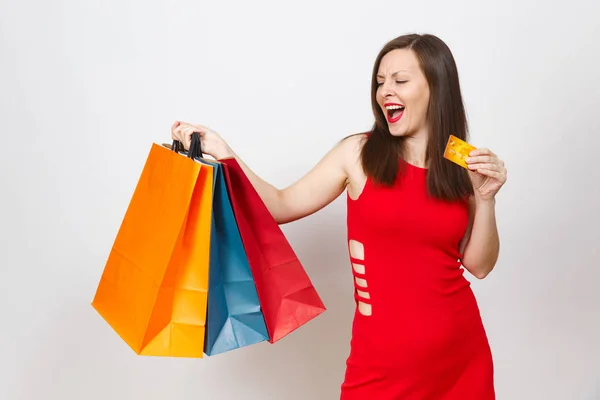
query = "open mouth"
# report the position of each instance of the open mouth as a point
(394, 112)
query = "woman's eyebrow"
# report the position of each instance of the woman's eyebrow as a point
(394, 74)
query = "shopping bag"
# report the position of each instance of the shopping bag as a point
(286, 293)
(234, 317)
(153, 291)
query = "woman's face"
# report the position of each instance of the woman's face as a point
(403, 93)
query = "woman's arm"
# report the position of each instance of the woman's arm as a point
(315, 190)
(481, 245)
(319, 187)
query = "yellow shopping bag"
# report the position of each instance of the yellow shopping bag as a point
(153, 291)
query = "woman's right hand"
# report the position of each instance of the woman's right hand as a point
(212, 143)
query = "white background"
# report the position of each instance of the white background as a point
(86, 87)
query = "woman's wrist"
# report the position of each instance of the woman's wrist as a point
(224, 152)
(484, 201)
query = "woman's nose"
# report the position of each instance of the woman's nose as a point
(387, 90)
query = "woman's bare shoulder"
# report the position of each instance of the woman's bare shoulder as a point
(353, 145)
(352, 149)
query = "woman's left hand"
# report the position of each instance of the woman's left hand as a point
(487, 173)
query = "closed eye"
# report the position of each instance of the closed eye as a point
(398, 82)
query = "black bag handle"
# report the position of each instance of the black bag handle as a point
(195, 150)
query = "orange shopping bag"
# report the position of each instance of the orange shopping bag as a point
(153, 291)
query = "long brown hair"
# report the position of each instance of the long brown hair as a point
(445, 116)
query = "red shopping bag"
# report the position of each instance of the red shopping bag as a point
(286, 294)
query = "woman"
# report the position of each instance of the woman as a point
(413, 219)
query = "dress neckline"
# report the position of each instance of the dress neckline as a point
(415, 167)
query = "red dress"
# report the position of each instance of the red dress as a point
(420, 336)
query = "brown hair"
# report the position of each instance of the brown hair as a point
(445, 116)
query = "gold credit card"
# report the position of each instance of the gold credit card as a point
(457, 150)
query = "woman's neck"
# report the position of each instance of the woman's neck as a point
(415, 150)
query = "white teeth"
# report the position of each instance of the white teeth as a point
(393, 107)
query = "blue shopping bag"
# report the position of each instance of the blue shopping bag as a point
(234, 316)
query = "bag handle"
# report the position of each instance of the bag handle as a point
(195, 150)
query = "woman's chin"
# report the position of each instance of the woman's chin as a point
(397, 131)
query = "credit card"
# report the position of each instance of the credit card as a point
(457, 150)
